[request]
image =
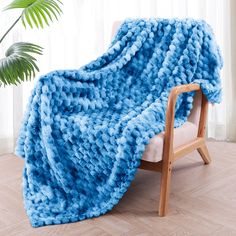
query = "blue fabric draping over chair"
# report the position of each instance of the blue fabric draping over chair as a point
(85, 130)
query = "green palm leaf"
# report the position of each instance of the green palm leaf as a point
(37, 12)
(19, 65)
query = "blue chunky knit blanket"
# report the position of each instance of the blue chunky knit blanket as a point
(85, 130)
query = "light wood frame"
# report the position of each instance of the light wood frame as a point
(171, 154)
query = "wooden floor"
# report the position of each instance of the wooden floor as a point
(202, 201)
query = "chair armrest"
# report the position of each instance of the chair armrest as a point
(170, 115)
(184, 89)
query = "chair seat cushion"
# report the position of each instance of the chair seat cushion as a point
(182, 135)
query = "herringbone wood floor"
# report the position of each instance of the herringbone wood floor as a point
(202, 201)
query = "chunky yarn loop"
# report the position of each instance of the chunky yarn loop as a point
(85, 130)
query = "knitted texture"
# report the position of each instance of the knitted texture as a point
(85, 130)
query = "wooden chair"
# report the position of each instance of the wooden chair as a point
(172, 151)
(174, 143)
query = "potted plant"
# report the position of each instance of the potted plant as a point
(19, 63)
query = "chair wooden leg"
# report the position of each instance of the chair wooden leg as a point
(203, 151)
(165, 186)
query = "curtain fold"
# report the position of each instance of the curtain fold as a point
(231, 101)
(84, 32)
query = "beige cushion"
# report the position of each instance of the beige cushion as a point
(182, 135)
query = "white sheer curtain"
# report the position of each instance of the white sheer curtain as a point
(83, 33)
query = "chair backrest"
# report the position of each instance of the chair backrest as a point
(194, 116)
